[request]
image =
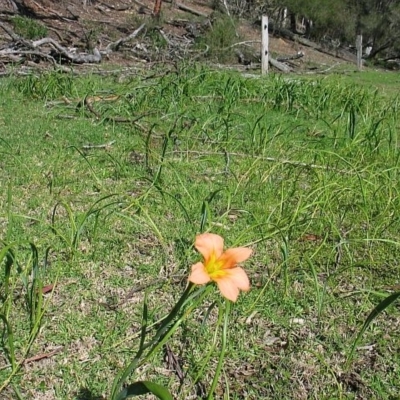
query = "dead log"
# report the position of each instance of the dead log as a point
(290, 58)
(278, 65)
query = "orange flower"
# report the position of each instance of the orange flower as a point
(220, 266)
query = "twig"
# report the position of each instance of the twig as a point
(242, 43)
(173, 363)
(98, 146)
(39, 357)
(164, 36)
(269, 159)
(65, 116)
(113, 46)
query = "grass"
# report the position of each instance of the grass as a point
(28, 28)
(305, 172)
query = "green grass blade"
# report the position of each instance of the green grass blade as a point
(374, 313)
(144, 387)
(124, 374)
(10, 341)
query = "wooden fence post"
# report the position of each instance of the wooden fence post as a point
(359, 52)
(264, 45)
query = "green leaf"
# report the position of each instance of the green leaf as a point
(144, 387)
(374, 313)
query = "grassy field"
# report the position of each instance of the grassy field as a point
(105, 182)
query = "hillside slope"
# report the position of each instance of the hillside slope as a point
(181, 32)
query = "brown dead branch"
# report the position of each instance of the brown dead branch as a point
(41, 356)
(174, 363)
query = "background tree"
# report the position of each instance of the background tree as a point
(379, 22)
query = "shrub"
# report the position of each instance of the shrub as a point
(220, 38)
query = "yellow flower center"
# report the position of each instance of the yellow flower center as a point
(214, 267)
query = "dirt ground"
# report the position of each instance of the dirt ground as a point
(83, 24)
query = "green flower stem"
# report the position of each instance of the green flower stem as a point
(223, 350)
(170, 317)
(168, 332)
(164, 332)
(206, 359)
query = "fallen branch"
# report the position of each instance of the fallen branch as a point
(74, 58)
(63, 52)
(113, 46)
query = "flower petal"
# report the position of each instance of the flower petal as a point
(208, 244)
(199, 275)
(231, 257)
(228, 288)
(240, 278)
